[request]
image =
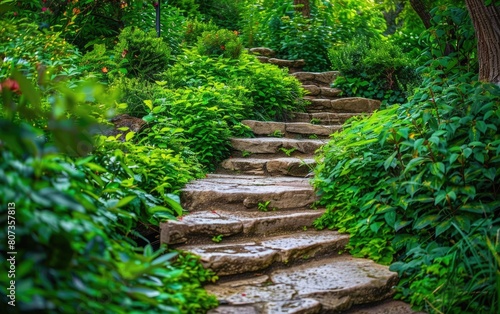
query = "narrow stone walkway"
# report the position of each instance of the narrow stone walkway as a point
(251, 221)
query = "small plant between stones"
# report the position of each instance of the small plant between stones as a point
(217, 238)
(264, 206)
(288, 151)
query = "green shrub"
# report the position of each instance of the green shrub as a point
(268, 92)
(278, 25)
(419, 183)
(373, 69)
(41, 55)
(220, 43)
(73, 218)
(207, 116)
(194, 29)
(224, 13)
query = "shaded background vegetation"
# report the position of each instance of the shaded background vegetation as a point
(416, 184)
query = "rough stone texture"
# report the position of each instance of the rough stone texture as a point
(308, 128)
(265, 128)
(289, 166)
(263, 59)
(256, 254)
(274, 145)
(359, 279)
(287, 63)
(349, 105)
(199, 226)
(263, 51)
(312, 90)
(122, 121)
(218, 192)
(385, 307)
(323, 79)
(337, 283)
(284, 129)
(324, 118)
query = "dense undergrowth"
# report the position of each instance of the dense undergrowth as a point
(416, 185)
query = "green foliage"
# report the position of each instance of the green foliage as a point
(267, 91)
(224, 13)
(207, 116)
(373, 69)
(277, 24)
(73, 217)
(194, 29)
(220, 43)
(43, 55)
(419, 183)
(141, 54)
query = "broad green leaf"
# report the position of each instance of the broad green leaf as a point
(124, 201)
(425, 221)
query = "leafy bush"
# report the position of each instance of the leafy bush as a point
(278, 25)
(224, 13)
(267, 91)
(195, 28)
(73, 217)
(420, 183)
(39, 54)
(220, 43)
(373, 69)
(207, 116)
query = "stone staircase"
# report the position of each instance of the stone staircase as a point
(251, 221)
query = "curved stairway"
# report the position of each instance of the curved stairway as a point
(261, 207)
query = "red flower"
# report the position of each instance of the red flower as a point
(105, 70)
(12, 85)
(222, 47)
(155, 4)
(124, 53)
(44, 9)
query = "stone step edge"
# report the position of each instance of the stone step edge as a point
(257, 253)
(246, 192)
(280, 166)
(220, 224)
(287, 129)
(266, 145)
(337, 283)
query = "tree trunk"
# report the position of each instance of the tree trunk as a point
(422, 12)
(486, 20)
(303, 6)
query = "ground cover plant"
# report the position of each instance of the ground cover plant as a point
(416, 185)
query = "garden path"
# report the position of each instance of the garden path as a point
(251, 221)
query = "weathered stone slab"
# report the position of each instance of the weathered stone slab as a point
(290, 166)
(323, 79)
(263, 51)
(309, 129)
(255, 254)
(263, 59)
(251, 166)
(201, 226)
(312, 90)
(286, 166)
(228, 192)
(387, 307)
(274, 145)
(361, 280)
(265, 128)
(323, 118)
(350, 105)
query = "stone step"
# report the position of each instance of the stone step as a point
(322, 118)
(240, 192)
(258, 253)
(322, 79)
(290, 129)
(262, 51)
(347, 105)
(271, 145)
(199, 227)
(319, 92)
(284, 166)
(329, 285)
